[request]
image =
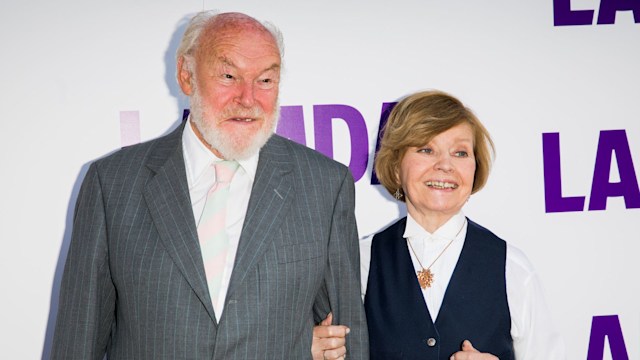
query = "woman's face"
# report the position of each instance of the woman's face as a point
(437, 178)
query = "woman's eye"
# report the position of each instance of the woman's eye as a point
(461, 153)
(426, 150)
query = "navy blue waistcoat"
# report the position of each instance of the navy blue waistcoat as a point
(474, 307)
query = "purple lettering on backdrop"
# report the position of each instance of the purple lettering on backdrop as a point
(606, 326)
(563, 15)
(601, 188)
(322, 124)
(291, 124)
(554, 201)
(608, 9)
(129, 128)
(384, 115)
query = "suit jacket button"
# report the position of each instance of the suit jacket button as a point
(431, 342)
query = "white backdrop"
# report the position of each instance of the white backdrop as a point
(81, 79)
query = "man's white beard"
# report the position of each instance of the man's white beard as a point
(229, 145)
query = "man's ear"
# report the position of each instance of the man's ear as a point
(184, 76)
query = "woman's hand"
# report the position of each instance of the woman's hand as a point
(470, 353)
(329, 340)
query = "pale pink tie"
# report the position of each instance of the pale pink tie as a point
(212, 233)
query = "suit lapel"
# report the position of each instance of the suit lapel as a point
(167, 196)
(270, 197)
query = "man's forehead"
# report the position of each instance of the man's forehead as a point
(249, 42)
(224, 60)
(241, 51)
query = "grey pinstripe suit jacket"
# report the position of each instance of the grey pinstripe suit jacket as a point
(134, 285)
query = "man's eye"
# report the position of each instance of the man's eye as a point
(266, 83)
(227, 76)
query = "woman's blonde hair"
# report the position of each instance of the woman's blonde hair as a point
(417, 119)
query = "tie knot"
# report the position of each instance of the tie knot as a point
(225, 170)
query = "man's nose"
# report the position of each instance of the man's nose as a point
(245, 94)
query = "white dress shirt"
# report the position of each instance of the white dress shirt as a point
(198, 160)
(534, 337)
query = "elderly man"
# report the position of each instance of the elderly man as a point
(219, 240)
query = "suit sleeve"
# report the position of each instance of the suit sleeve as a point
(342, 278)
(87, 295)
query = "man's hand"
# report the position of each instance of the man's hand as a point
(329, 340)
(470, 353)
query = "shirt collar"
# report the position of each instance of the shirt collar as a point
(198, 158)
(448, 230)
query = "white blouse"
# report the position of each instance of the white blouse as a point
(532, 330)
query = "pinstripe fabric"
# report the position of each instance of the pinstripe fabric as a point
(134, 283)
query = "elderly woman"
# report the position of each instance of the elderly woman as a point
(436, 285)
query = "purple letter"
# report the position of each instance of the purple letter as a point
(384, 115)
(322, 116)
(554, 202)
(608, 326)
(291, 124)
(601, 188)
(563, 15)
(608, 9)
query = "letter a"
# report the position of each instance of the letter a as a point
(606, 326)
(614, 141)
